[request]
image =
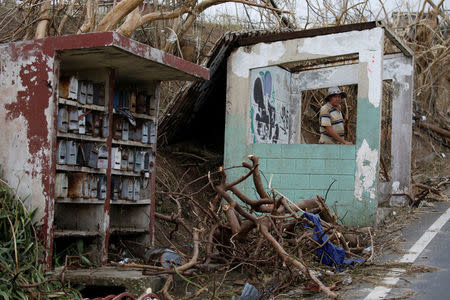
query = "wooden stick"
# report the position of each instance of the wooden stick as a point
(263, 227)
(427, 187)
(165, 289)
(434, 128)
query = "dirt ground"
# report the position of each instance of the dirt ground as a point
(430, 167)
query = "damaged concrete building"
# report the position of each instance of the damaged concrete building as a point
(79, 126)
(257, 82)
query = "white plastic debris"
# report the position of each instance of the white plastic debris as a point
(294, 292)
(316, 273)
(427, 204)
(423, 118)
(367, 250)
(347, 280)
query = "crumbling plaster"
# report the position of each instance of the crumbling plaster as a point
(368, 44)
(402, 72)
(26, 148)
(262, 55)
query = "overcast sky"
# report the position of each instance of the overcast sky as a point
(301, 7)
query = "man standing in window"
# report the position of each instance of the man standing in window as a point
(331, 120)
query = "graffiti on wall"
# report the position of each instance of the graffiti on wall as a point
(269, 110)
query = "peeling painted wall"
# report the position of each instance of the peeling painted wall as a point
(400, 70)
(27, 112)
(304, 170)
(26, 78)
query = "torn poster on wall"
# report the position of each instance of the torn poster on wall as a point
(269, 106)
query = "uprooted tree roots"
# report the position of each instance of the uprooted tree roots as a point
(266, 233)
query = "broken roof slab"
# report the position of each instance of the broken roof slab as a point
(132, 60)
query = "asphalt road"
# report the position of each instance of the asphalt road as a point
(432, 285)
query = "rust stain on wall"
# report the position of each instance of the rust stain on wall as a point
(34, 93)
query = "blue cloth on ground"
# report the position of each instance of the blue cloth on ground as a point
(329, 254)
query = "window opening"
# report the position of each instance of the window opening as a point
(313, 100)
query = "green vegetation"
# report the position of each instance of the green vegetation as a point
(21, 273)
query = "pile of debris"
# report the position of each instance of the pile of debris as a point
(268, 235)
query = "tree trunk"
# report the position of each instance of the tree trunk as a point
(42, 26)
(89, 21)
(122, 9)
(131, 23)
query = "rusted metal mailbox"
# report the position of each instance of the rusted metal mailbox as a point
(105, 126)
(90, 93)
(73, 88)
(136, 133)
(145, 132)
(130, 160)
(61, 152)
(61, 185)
(81, 122)
(116, 157)
(152, 105)
(152, 133)
(71, 152)
(78, 185)
(101, 188)
(127, 189)
(64, 83)
(146, 161)
(141, 103)
(82, 92)
(133, 102)
(151, 164)
(136, 190)
(117, 128)
(99, 94)
(91, 155)
(138, 161)
(96, 125)
(73, 119)
(125, 130)
(115, 187)
(63, 120)
(102, 162)
(124, 160)
(93, 185)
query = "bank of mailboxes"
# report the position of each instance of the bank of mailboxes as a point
(125, 188)
(144, 132)
(132, 160)
(91, 155)
(82, 91)
(90, 186)
(85, 92)
(83, 121)
(140, 103)
(80, 185)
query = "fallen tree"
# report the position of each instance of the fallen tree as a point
(270, 233)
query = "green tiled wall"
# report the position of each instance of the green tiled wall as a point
(303, 171)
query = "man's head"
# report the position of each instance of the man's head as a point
(335, 96)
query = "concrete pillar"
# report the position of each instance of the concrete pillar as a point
(401, 130)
